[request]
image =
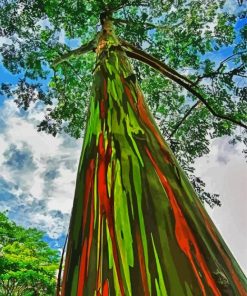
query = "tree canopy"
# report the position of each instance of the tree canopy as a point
(203, 41)
(27, 263)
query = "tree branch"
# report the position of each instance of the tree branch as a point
(91, 45)
(140, 55)
(177, 126)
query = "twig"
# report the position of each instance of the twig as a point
(217, 71)
(177, 126)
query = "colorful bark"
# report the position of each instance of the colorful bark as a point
(137, 226)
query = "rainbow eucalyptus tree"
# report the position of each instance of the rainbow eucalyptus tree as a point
(137, 225)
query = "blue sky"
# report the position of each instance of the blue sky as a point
(38, 172)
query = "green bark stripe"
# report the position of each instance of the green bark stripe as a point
(162, 286)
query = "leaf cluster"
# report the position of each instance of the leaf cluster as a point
(27, 263)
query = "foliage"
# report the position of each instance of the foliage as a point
(27, 264)
(199, 38)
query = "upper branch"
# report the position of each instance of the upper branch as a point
(91, 45)
(140, 55)
(177, 126)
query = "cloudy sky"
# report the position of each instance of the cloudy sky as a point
(38, 171)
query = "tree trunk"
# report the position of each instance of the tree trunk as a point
(137, 226)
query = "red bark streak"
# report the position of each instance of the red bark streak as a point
(106, 204)
(102, 109)
(227, 261)
(102, 178)
(128, 93)
(145, 118)
(90, 239)
(106, 288)
(142, 263)
(83, 268)
(184, 235)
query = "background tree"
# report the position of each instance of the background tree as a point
(27, 264)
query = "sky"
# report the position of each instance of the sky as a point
(38, 172)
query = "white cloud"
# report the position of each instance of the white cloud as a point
(44, 195)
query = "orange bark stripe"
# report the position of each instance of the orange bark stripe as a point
(145, 117)
(106, 288)
(83, 268)
(102, 109)
(142, 263)
(102, 179)
(106, 208)
(128, 93)
(184, 234)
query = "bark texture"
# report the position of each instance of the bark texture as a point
(137, 226)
